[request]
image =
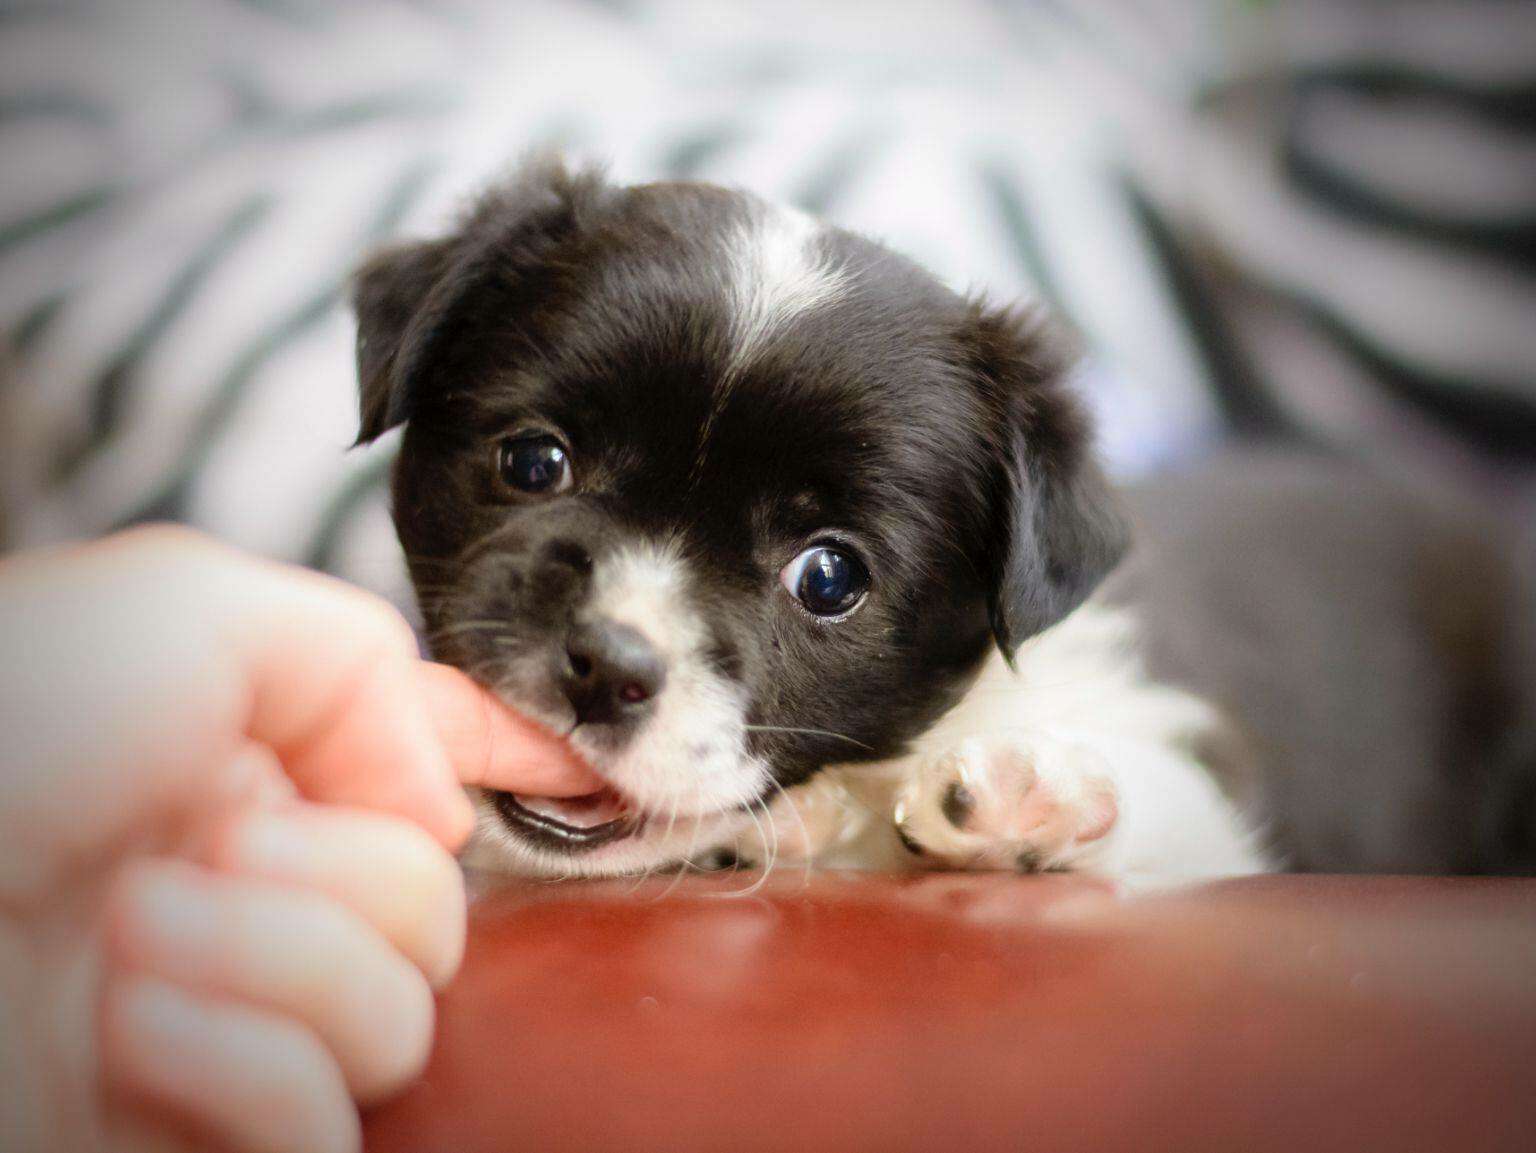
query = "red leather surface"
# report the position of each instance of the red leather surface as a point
(980, 1012)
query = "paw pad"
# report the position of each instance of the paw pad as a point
(1027, 803)
(958, 803)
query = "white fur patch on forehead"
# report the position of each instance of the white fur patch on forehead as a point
(645, 586)
(774, 275)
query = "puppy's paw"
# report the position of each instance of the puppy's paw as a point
(1024, 801)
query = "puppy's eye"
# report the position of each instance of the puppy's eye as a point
(537, 463)
(826, 579)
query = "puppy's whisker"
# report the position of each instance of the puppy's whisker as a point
(671, 821)
(472, 551)
(808, 732)
(640, 878)
(728, 814)
(459, 627)
(683, 868)
(769, 853)
(805, 832)
(773, 828)
(661, 859)
(687, 861)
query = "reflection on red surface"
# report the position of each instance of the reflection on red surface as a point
(985, 1012)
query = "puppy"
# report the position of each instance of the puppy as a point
(794, 545)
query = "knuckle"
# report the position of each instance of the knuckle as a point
(129, 924)
(162, 534)
(438, 870)
(385, 623)
(310, 1090)
(404, 1027)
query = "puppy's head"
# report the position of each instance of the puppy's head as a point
(723, 494)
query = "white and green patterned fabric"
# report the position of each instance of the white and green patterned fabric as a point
(1336, 201)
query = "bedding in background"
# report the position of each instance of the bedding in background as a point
(1316, 213)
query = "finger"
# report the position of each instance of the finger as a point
(332, 673)
(250, 1080)
(386, 870)
(292, 952)
(179, 651)
(488, 744)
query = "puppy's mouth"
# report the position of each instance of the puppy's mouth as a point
(570, 824)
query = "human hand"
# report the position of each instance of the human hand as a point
(228, 791)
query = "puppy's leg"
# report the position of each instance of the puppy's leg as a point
(1049, 798)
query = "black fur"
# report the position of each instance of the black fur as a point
(932, 434)
(1062, 528)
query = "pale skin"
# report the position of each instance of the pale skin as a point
(229, 796)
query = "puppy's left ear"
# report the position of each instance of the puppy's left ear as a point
(1061, 530)
(387, 293)
(407, 297)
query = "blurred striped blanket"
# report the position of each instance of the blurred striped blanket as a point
(1318, 212)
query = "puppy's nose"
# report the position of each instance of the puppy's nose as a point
(613, 671)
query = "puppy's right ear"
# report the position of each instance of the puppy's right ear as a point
(407, 297)
(1061, 529)
(388, 292)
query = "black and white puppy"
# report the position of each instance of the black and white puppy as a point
(793, 543)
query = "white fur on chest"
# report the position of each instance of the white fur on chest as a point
(1085, 672)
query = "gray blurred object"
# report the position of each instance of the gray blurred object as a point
(1314, 214)
(1353, 225)
(1373, 640)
